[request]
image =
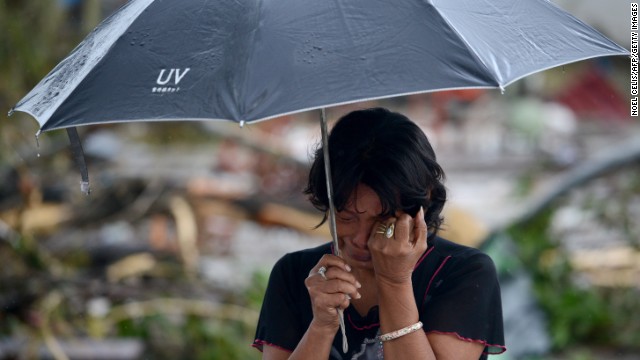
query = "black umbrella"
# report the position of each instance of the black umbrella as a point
(247, 60)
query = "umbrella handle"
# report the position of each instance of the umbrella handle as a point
(345, 344)
(332, 212)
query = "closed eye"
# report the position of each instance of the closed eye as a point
(346, 219)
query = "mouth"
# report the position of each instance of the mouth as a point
(359, 256)
(355, 254)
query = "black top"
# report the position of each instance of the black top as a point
(455, 287)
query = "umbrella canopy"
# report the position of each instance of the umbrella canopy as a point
(247, 60)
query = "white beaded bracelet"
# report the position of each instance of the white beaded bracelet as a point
(402, 332)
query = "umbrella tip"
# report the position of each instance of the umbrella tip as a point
(241, 123)
(85, 188)
(38, 140)
(11, 111)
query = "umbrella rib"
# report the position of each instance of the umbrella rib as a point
(494, 76)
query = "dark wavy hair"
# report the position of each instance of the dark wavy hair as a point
(387, 152)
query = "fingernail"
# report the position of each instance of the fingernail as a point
(422, 211)
(358, 285)
(358, 296)
(346, 266)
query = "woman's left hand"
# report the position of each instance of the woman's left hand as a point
(394, 258)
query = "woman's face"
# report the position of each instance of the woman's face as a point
(354, 225)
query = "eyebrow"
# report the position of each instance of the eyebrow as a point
(351, 212)
(355, 210)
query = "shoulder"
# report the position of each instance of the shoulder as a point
(302, 260)
(445, 247)
(460, 254)
(449, 260)
(288, 273)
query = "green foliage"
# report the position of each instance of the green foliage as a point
(624, 327)
(197, 336)
(9, 325)
(254, 294)
(576, 314)
(36, 35)
(573, 314)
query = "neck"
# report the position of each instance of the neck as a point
(369, 291)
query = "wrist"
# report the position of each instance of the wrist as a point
(394, 294)
(323, 329)
(394, 283)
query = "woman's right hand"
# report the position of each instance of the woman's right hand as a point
(331, 292)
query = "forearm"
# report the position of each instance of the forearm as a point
(315, 344)
(398, 309)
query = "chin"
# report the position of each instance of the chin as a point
(363, 265)
(358, 263)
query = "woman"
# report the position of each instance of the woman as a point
(406, 293)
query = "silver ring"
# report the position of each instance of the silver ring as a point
(322, 271)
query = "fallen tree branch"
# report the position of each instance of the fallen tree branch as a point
(175, 306)
(616, 158)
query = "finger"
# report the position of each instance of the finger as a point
(336, 286)
(329, 260)
(381, 228)
(345, 302)
(335, 273)
(404, 228)
(336, 280)
(331, 302)
(420, 227)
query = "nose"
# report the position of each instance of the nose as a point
(361, 237)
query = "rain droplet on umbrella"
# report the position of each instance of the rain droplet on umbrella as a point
(38, 143)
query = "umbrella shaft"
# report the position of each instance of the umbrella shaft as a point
(332, 211)
(327, 171)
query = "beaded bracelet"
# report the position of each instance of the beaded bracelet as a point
(402, 332)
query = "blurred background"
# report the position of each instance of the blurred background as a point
(169, 256)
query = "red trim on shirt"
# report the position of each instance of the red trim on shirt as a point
(366, 327)
(502, 347)
(422, 258)
(424, 298)
(258, 344)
